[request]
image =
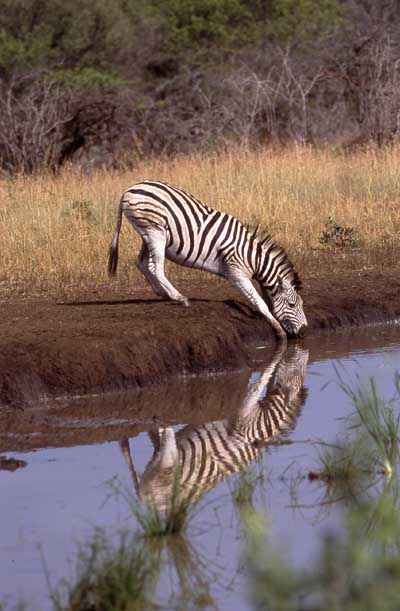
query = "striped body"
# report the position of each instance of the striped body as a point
(204, 455)
(175, 225)
(197, 236)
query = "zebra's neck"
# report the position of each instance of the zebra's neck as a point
(271, 262)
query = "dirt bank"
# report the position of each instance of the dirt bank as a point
(108, 340)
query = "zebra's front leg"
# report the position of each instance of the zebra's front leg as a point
(126, 451)
(243, 284)
(156, 242)
(254, 392)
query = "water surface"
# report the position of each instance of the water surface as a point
(62, 493)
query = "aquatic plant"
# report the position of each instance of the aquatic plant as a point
(360, 569)
(273, 585)
(194, 574)
(154, 521)
(118, 577)
(346, 469)
(378, 420)
(369, 447)
(356, 571)
(124, 577)
(18, 606)
(243, 487)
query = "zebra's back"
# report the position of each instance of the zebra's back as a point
(197, 236)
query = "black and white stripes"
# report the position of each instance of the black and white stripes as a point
(175, 225)
(201, 456)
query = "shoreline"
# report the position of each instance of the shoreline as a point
(191, 399)
(117, 339)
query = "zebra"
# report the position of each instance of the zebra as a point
(203, 455)
(176, 225)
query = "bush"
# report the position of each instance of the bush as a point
(335, 234)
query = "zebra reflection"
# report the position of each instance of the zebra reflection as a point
(203, 455)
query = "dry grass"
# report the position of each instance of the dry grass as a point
(55, 230)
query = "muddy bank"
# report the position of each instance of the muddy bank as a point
(94, 419)
(116, 340)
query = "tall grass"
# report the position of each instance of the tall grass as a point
(55, 229)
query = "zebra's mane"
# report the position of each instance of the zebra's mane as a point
(269, 245)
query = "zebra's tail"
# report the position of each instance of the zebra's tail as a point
(113, 250)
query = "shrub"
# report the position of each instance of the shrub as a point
(335, 234)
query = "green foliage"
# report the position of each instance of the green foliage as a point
(335, 234)
(78, 34)
(100, 34)
(194, 73)
(195, 24)
(302, 21)
(87, 78)
(27, 53)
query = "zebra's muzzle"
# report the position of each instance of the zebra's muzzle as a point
(296, 334)
(302, 331)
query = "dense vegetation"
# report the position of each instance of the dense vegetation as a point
(100, 82)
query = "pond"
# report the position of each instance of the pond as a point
(224, 430)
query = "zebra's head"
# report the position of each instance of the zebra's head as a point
(287, 307)
(280, 286)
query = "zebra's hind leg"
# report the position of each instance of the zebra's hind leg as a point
(142, 263)
(168, 453)
(156, 242)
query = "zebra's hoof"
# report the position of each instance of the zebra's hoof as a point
(184, 302)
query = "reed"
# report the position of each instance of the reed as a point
(55, 229)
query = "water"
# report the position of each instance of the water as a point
(64, 492)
